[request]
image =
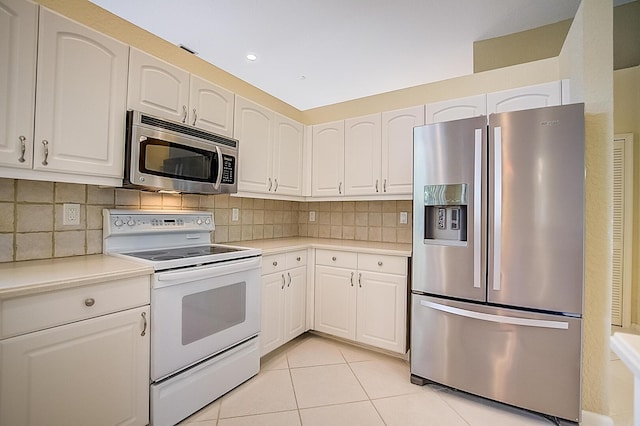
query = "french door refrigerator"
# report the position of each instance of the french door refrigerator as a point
(498, 256)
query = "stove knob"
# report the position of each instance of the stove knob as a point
(118, 222)
(207, 221)
(199, 221)
(131, 222)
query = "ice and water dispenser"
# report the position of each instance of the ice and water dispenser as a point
(445, 213)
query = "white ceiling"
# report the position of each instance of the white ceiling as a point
(313, 53)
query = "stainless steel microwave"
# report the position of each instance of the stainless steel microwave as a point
(163, 155)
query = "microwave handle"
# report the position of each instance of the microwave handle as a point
(216, 185)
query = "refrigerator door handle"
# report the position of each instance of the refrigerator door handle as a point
(497, 205)
(527, 322)
(477, 210)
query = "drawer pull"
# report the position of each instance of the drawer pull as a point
(275, 263)
(379, 262)
(89, 301)
(334, 258)
(144, 323)
(298, 258)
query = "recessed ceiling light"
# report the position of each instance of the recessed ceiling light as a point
(251, 57)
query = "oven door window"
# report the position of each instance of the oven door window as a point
(177, 161)
(212, 311)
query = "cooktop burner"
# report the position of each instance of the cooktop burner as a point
(182, 252)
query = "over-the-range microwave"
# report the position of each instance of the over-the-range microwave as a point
(162, 155)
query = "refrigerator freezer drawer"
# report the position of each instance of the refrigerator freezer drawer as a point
(525, 359)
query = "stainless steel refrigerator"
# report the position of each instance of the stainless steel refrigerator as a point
(498, 257)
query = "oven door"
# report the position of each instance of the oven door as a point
(164, 161)
(200, 311)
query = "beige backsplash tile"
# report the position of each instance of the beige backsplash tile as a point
(31, 217)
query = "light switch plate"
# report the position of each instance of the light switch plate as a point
(234, 214)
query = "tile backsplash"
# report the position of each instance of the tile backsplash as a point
(31, 217)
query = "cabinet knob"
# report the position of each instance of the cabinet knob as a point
(298, 258)
(333, 258)
(89, 301)
(275, 263)
(379, 262)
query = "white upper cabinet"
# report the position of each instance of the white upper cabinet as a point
(362, 148)
(80, 99)
(328, 160)
(538, 96)
(157, 87)
(397, 149)
(271, 150)
(19, 20)
(288, 155)
(456, 109)
(161, 89)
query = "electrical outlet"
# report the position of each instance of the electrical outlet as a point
(312, 216)
(71, 214)
(234, 214)
(403, 218)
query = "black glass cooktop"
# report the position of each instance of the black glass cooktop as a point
(182, 252)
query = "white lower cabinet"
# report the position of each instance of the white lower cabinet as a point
(93, 371)
(362, 297)
(284, 282)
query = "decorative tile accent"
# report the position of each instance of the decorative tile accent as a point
(31, 217)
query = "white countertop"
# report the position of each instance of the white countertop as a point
(37, 276)
(627, 347)
(279, 245)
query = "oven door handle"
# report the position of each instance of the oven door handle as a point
(166, 279)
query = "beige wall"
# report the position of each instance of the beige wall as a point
(626, 119)
(587, 59)
(519, 48)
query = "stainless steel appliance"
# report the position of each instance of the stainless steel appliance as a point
(498, 242)
(163, 155)
(205, 306)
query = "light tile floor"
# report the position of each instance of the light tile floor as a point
(317, 381)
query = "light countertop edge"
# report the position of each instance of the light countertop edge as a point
(28, 277)
(627, 347)
(281, 245)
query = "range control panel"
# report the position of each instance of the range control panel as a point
(149, 222)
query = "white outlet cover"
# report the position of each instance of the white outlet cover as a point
(71, 214)
(312, 216)
(403, 217)
(234, 214)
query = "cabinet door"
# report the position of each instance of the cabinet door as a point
(157, 87)
(295, 302)
(211, 107)
(456, 109)
(335, 301)
(89, 372)
(381, 319)
(253, 127)
(19, 23)
(328, 159)
(538, 96)
(287, 156)
(397, 149)
(272, 328)
(362, 150)
(80, 99)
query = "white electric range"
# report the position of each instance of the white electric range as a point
(205, 306)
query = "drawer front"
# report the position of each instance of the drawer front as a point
(296, 258)
(39, 311)
(273, 263)
(340, 259)
(382, 263)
